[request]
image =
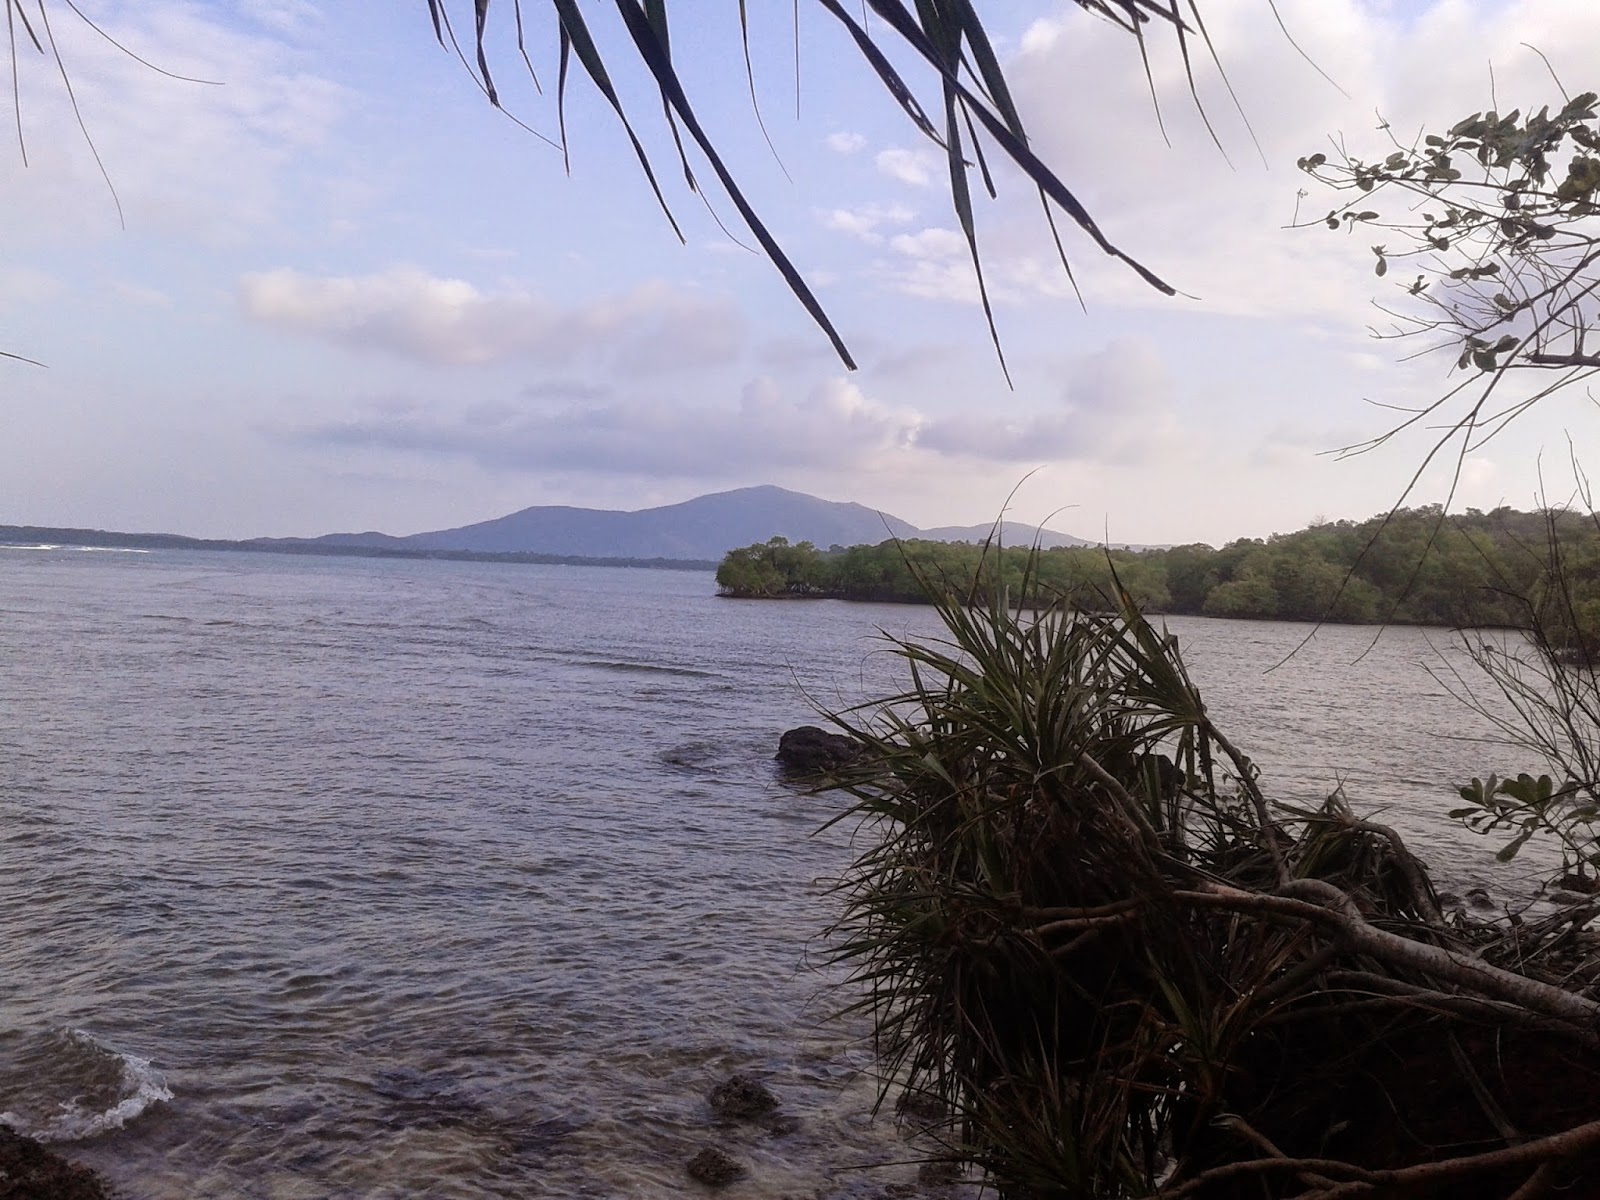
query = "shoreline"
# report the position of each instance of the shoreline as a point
(924, 602)
(34, 537)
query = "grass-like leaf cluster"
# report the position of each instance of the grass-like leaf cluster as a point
(1100, 962)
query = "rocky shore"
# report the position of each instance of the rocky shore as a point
(31, 1171)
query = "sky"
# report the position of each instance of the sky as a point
(330, 289)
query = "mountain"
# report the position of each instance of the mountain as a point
(1012, 533)
(706, 527)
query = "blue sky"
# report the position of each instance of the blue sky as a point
(348, 295)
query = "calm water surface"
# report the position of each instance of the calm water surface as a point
(350, 877)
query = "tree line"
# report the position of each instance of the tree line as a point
(1413, 566)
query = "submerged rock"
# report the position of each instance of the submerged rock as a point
(713, 1168)
(812, 751)
(29, 1171)
(940, 1173)
(740, 1098)
(923, 1107)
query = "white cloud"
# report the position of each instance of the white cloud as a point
(864, 222)
(1478, 475)
(798, 353)
(20, 286)
(854, 222)
(207, 161)
(290, 17)
(845, 142)
(566, 389)
(834, 425)
(914, 167)
(144, 297)
(933, 264)
(1218, 230)
(931, 243)
(408, 312)
(1115, 408)
(1292, 443)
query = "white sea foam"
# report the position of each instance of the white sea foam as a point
(111, 549)
(140, 1086)
(40, 546)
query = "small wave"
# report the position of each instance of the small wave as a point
(111, 550)
(114, 1088)
(40, 546)
(647, 668)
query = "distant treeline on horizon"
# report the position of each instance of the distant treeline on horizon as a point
(30, 535)
(1414, 566)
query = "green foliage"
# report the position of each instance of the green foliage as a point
(773, 568)
(1413, 566)
(1248, 597)
(1530, 805)
(1548, 706)
(902, 571)
(1493, 226)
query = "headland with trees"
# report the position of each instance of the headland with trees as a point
(1415, 566)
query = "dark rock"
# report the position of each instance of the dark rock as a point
(812, 751)
(740, 1098)
(29, 1171)
(939, 1173)
(1479, 898)
(923, 1107)
(713, 1168)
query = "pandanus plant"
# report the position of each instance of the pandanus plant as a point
(1099, 961)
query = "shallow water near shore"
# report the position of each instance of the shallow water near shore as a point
(353, 877)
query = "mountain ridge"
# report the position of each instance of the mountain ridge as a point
(705, 527)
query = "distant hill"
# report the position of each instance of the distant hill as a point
(1012, 533)
(703, 528)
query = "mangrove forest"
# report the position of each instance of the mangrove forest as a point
(1415, 566)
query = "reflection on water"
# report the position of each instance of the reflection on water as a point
(365, 878)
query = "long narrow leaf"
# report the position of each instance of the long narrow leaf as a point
(660, 66)
(481, 18)
(1017, 150)
(582, 43)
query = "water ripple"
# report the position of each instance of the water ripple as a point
(480, 875)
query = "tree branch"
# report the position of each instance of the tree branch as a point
(1327, 906)
(1563, 360)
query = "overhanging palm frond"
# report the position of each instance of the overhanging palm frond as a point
(946, 37)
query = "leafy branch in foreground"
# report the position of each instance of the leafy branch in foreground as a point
(1091, 944)
(1495, 221)
(1546, 690)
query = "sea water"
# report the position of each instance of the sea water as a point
(328, 877)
